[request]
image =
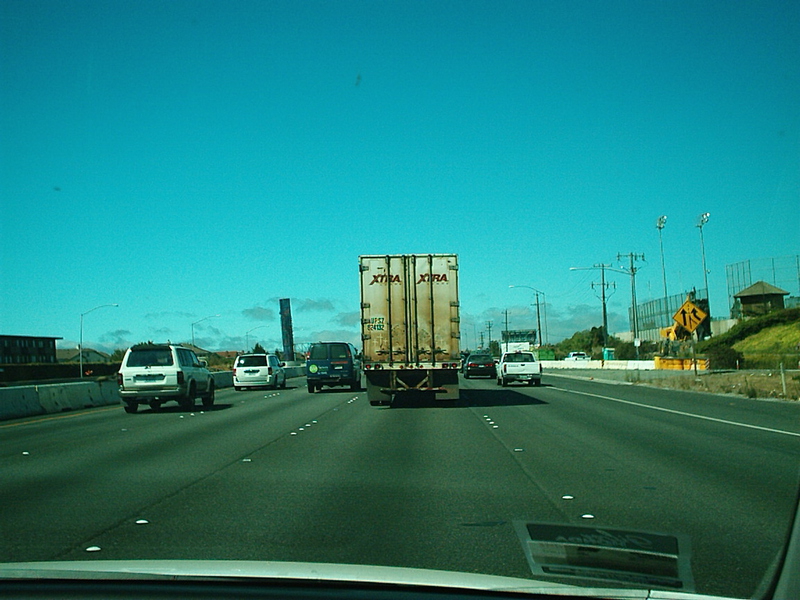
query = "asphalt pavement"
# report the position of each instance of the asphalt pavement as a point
(325, 477)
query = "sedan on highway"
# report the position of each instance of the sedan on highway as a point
(479, 365)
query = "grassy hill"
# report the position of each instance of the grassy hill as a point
(758, 343)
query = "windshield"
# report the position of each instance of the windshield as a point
(409, 181)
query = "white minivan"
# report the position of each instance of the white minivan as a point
(258, 370)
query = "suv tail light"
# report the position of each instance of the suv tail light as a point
(181, 378)
(119, 379)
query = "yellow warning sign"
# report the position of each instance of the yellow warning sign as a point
(689, 316)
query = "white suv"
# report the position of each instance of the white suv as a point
(156, 373)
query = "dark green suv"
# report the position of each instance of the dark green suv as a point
(333, 364)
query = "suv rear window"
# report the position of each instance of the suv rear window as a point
(150, 357)
(252, 361)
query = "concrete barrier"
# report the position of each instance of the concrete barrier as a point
(222, 379)
(17, 402)
(30, 400)
(619, 365)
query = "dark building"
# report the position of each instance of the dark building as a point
(27, 349)
(759, 299)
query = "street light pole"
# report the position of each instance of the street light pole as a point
(662, 220)
(80, 343)
(195, 323)
(702, 220)
(247, 337)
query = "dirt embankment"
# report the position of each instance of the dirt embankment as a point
(753, 384)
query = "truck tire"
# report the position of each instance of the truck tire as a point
(311, 387)
(131, 407)
(537, 382)
(503, 382)
(155, 406)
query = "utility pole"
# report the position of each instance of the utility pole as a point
(634, 316)
(501, 349)
(603, 287)
(489, 327)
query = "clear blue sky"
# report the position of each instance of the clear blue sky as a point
(193, 158)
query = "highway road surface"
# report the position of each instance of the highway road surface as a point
(325, 477)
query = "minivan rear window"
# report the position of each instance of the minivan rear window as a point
(252, 361)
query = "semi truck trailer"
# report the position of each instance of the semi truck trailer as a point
(410, 325)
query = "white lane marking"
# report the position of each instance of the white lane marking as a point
(685, 414)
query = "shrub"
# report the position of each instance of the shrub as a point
(724, 357)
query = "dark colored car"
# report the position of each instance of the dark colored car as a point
(333, 364)
(479, 365)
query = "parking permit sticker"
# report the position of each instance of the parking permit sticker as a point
(635, 557)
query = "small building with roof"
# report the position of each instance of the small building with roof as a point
(759, 299)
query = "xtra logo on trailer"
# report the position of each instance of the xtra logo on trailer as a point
(423, 278)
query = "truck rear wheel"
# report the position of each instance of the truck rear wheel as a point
(131, 407)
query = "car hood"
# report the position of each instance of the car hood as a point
(278, 571)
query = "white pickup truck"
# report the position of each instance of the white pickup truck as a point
(519, 366)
